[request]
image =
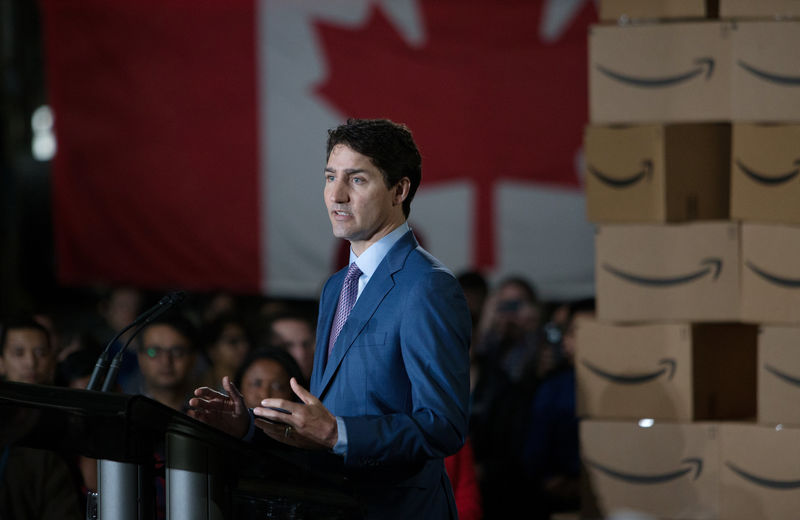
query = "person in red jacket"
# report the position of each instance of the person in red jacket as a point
(460, 468)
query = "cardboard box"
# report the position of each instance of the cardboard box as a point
(770, 273)
(667, 272)
(666, 371)
(695, 71)
(759, 472)
(759, 8)
(765, 173)
(657, 173)
(765, 71)
(667, 470)
(637, 10)
(663, 73)
(779, 375)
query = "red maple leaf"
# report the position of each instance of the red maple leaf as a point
(486, 98)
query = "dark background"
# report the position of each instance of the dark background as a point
(27, 279)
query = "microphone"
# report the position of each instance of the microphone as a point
(172, 299)
(101, 366)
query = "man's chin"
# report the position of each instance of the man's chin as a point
(339, 232)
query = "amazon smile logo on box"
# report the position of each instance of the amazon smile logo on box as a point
(763, 481)
(713, 267)
(701, 65)
(784, 80)
(769, 180)
(691, 465)
(623, 182)
(635, 379)
(788, 283)
(795, 381)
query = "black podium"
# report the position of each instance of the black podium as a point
(209, 475)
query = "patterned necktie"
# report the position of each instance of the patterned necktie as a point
(347, 298)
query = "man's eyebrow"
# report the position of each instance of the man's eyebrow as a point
(348, 171)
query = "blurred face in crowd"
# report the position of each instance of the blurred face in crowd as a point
(27, 357)
(265, 378)
(296, 337)
(166, 358)
(231, 348)
(122, 307)
(515, 313)
(219, 305)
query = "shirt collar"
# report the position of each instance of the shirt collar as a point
(370, 259)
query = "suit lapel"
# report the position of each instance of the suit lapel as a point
(376, 290)
(324, 323)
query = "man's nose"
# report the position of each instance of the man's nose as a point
(29, 359)
(337, 191)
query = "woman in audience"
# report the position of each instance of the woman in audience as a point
(265, 373)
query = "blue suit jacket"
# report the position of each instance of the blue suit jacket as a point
(399, 377)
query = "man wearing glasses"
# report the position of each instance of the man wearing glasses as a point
(166, 358)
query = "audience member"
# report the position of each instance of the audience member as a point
(118, 307)
(460, 469)
(551, 448)
(215, 305)
(34, 484)
(265, 374)
(293, 331)
(476, 290)
(166, 357)
(226, 342)
(27, 354)
(506, 367)
(507, 331)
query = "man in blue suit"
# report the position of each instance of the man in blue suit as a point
(389, 392)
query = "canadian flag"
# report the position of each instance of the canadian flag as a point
(191, 135)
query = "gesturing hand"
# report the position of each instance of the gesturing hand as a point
(226, 412)
(308, 425)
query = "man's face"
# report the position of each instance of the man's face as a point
(361, 208)
(123, 306)
(515, 314)
(296, 337)
(27, 357)
(166, 359)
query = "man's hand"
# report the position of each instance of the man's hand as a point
(226, 412)
(308, 425)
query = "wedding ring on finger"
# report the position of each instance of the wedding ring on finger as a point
(287, 431)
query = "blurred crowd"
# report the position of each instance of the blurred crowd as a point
(521, 454)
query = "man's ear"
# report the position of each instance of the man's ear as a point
(400, 190)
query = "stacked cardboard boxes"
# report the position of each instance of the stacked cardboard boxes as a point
(688, 380)
(760, 463)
